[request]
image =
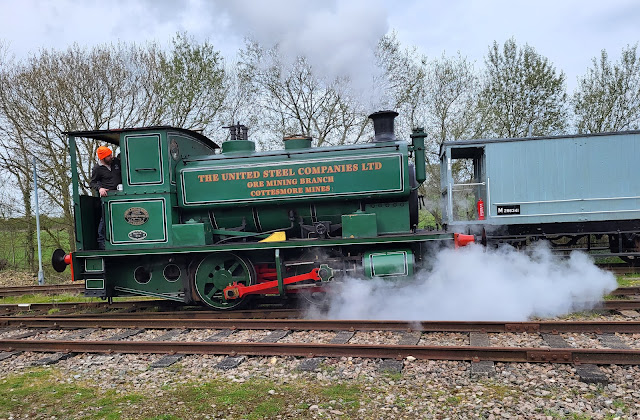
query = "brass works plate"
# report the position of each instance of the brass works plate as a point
(136, 216)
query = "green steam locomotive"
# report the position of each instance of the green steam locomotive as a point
(203, 224)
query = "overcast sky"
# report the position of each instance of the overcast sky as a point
(337, 36)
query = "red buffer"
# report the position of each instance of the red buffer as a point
(462, 240)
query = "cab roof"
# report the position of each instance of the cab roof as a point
(113, 136)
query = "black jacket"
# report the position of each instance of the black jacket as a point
(102, 177)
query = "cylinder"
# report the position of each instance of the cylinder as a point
(297, 142)
(238, 146)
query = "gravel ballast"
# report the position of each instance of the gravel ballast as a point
(425, 389)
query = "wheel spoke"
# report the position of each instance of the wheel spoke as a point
(233, 267)
(210, 282)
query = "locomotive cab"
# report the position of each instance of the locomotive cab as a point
(149, 157)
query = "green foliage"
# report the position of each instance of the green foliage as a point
(14, 246)
(349, 394)
(522, 92)
(61, 298)
(608, 96)
(426, 220)
(41, 393)
(191, 83)
(628, 280)
(453, 400)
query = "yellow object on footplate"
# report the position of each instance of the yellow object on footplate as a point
(276, 237)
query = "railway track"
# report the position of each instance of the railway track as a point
(47, 289)
(620, 268)
(551, 327)
(72, 307)
(617, 342)
(167, 308)
(142, 307)
(78, 287)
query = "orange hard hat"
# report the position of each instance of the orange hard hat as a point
(103, 152)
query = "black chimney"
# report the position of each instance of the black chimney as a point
(383, 125)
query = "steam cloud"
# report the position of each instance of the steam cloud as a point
(471, 284)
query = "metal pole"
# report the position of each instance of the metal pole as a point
(35, 188)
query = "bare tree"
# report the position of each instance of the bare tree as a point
(100, 88)
(15, 159)
(403, 83)
(608, 96)
(440, 96)
(292, 98)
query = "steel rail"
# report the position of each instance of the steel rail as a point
(618, 305)
(133, 304)
(553, 327)
(474, 354)
(619, 268)
(200, 313)
(626, 291)
(45, 289)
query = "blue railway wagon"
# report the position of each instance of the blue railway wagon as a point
(563, 185)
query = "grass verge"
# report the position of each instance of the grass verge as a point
(46, 392)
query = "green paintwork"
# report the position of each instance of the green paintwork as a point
(77, 209)
(121, 273)
(185, 200)
(277, 217)
(391, 217)
(418, 148)
(217, 271)
(253, 246)
(359, 225)
(388, 264)
(297, 143)
(94, 264)
(97, 284)
(153, 231)
(192, 234)
(144, 157)
(326, 177)
(238, 146)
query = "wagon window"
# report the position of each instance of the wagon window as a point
(468, 183)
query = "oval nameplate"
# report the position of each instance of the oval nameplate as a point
(137, 235)
(136, 216)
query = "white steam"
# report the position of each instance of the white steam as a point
(474, 284)
(337, 37)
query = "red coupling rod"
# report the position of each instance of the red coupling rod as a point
(237, 291)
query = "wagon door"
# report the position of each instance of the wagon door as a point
(464, 182)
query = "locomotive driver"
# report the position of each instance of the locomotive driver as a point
(105, 176)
